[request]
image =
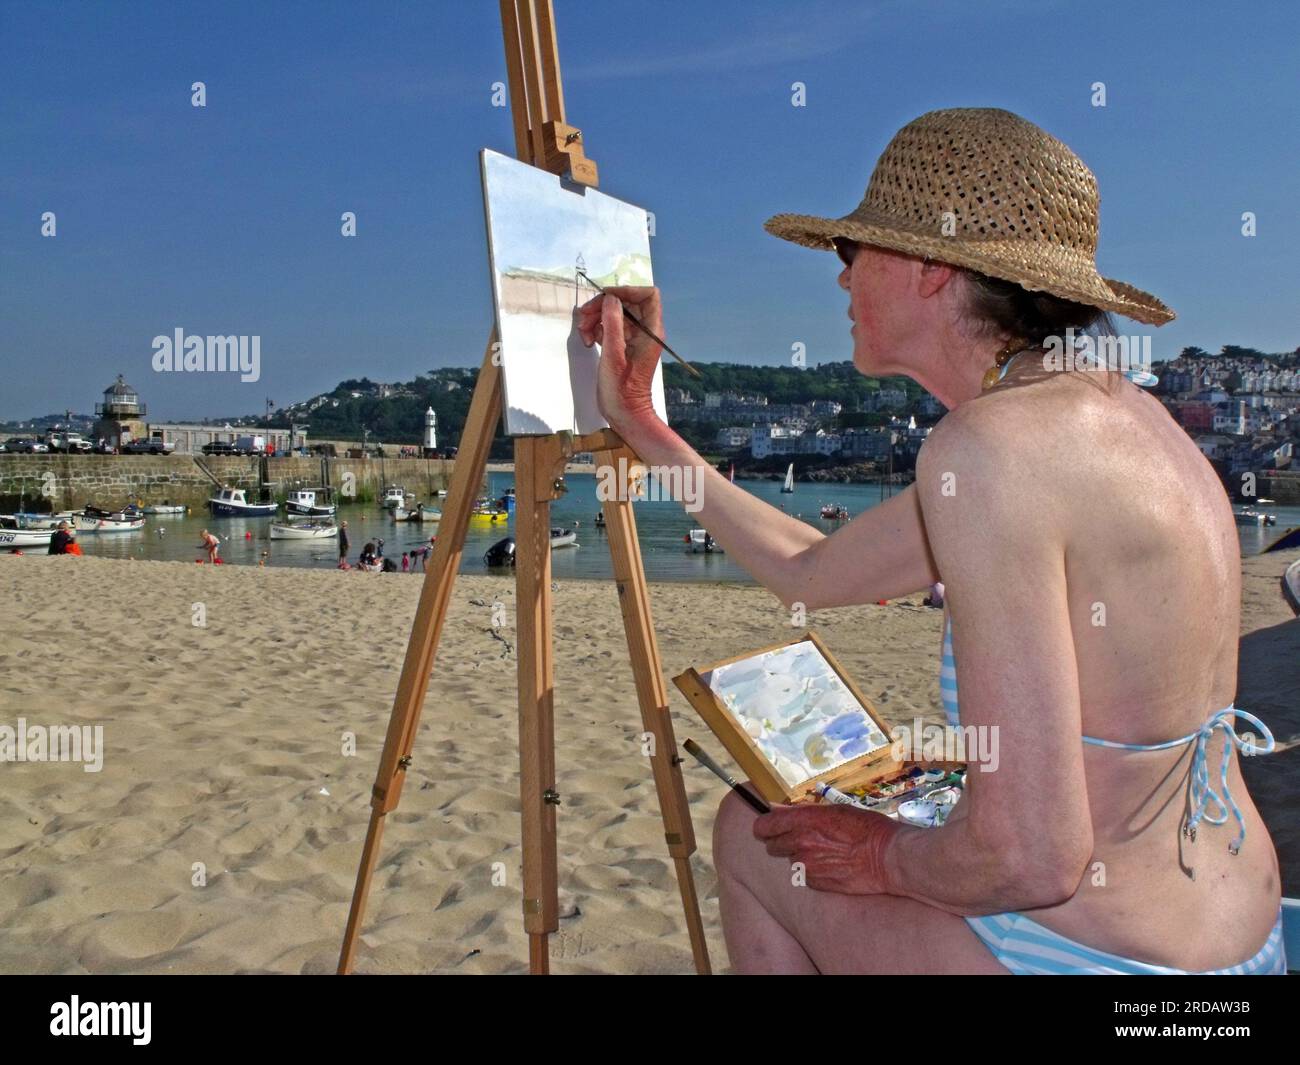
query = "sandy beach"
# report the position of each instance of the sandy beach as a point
(223, 831)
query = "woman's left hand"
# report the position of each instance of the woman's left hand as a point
(842, 848)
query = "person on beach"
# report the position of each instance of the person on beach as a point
(344, 543)
(1091, 570)
(61, 539)
(209, 543)
(406, 562)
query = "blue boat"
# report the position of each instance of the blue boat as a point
(232, 503)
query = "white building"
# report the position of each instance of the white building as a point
(773, 440)
(735, 436)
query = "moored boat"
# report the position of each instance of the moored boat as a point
(164, 508)
(1251, 516)
(233, 503)
(94, 520)
(303, 530)
(394, 496)
(834, 512)
(419, 512)
(303, 502)
(564, 537)
(40, 522)
(13, 538)
(488, 512)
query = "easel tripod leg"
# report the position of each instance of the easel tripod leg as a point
(535, 460)
(430, 613)
(652, 697)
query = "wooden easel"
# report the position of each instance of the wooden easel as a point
(543, 139)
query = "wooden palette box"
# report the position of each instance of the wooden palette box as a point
(768, 705)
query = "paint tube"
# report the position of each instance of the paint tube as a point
(834, 795)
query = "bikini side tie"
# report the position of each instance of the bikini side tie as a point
(1202, 792)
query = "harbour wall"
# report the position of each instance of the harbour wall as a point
(68, 482)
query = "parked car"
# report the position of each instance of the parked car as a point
(220, 447)
(26, 446)
(149, 445)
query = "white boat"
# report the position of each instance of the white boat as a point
(165, 508)
(789, 480)
(700, 540)
(420, 513)
(39, 522)
(303, 530)
(1251, 516)
(394, 496)
(233, 503)
(99, 521)
(302, 501)
(12, 537)
(564, 538)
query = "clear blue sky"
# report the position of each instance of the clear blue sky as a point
(225, 219)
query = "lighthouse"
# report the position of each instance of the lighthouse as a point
(430, 431)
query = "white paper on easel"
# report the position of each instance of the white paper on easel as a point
(541, 232)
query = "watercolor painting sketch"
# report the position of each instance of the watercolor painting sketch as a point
(798, 712)
(542, 231)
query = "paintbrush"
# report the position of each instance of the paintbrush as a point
(758, 805)
(637, 322)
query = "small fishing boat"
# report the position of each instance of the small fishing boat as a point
(234, 503)
(394, 496)
(564, 538)
(303, 530)
(1291, 586)
(13, 537)
(1251, 516)
(834, 512)
(699, 540)
(788, 487)
(94, 520)
(164, 508)
(489, 512)
(302, 502)
(417, 513)
(40, 522)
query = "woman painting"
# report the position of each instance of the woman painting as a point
(1091, 571)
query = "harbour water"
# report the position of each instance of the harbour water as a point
(662, 527)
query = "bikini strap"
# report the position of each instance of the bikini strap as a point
(1202, 792)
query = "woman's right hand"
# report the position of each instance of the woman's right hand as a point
(628, 357)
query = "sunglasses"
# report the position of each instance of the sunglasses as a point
(846, 249)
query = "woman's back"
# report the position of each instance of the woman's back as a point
(1152, 573)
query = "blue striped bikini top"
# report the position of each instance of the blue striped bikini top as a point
(1202, 792)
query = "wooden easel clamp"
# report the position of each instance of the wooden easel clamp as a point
(544, 139)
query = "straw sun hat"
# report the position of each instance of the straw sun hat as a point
(984, 189)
